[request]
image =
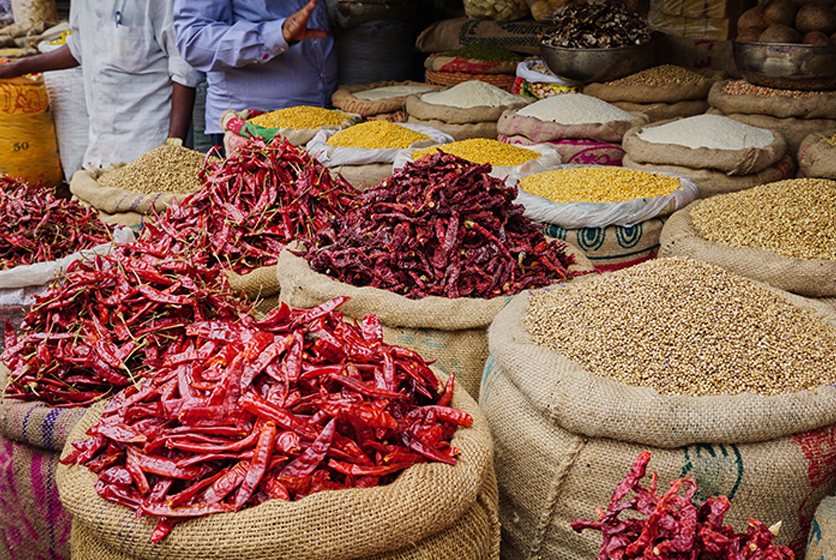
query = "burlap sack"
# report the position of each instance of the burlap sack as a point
(511, 124)
(564, 438)
(732, 162)
(453, 332)
(712, 182)
(614, 247)
(822, 105)
(257, 284)
(808, 277)
(440, 62)
(465, 131)
(420, 109)
(451, 34)
(576, 151)
(397, 116)
(822, 542)
(817, 158)
(665, 111)
(85, 186)
(344, 99)
(444, 79)
(364, 176)
(667, 93)
(432, 510)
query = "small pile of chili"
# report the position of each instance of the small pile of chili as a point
(296, 403)
(674, 528)
(110, 320)
(440, 226)
(252, 205)
(38, 227)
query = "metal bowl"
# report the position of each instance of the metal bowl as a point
(584, 66)
(787, 66)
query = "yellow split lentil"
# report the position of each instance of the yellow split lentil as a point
(742, 87)
(299, 118)
(795, 218)
(376, 135)
(598, 184)
(483, 150)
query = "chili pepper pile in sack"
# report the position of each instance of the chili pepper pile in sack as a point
(280, 408)
(109, 321)
(440, 226)
(674, 527)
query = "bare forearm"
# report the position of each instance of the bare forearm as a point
(59, 59)
(182, 104)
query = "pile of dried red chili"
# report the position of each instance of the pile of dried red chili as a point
(281, 408)
(252, 205)
(440, 226)
(111, 320)
(673, 527)
(39, 227)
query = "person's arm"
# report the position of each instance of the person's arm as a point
(182, 105)
(59, 59)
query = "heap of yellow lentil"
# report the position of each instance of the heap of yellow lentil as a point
(483, 150)
(795, 218)
(658, 76)
(598, 184)
(299, 118)
(684, 327)
(831, 140)
(742, 87)
(376, 135)
(167, 169)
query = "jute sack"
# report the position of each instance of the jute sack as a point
(712, 182)
(793, 129)
(817, 158)
(807, 277)
(441, 62)
(732, 162)
(451, 331)
(33, 523)
(663, 93)
(443, 79)
(451, 34)
(464, 131)
(420, 109)
(432, 510)
(822, 542)
(614, 247)
(345, 99)
(257, 284)
(364, 176)
(564, 438)
(665, 111)
(511, 124)
(809, 105)
(576, 151)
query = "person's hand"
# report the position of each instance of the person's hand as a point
(295, 28)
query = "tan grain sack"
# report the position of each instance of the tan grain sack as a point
(664, 111)
(442, 62)
(364, 176)
(423, 111)
(446, 79)
(397, 116)
(793, 129)
(450, 34)
(662, 93)
(511, 124)
(344, 98)
(816, 157)
(576, 151)
(431, 510)
(814, 278)
(782, 104)
(115, 201)
(257, 284)
(822, 542)
(745, 161)
(458, 132)
(564, 438)
(712, 182)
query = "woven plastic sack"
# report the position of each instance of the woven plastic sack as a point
(344, 98)
(781, 104)
(431, 510)
(512, 124)
(613, 247)
(815, 278)
(502, 81)
(822, 542)
(420, 109)
(237, 130)
(565, 437)
(817, 158)
(662, 93)
(457, 132)
(664, 111)
(584, 152)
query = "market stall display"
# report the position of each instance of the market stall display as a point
(535, 80)
(817, 156)
(482, 62)
(378, 101)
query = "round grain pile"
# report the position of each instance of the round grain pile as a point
(376, 135)
(483, 150)
(380, 100)
(299, 118)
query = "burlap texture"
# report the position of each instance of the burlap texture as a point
(85, 186)
(259, 283)
(576, 151)
(396, 117)
(563, 438)
(511, 124)
(665, 111)
(821, 106)
(364, 176)
(130, 219)
(420, 109)
(439, 62)
(461, 131)
(808, 277)
(451, 34)
(817, 158)
(822, 542)
(732, 162)
(502, 81)
(663, 93)
(712, 182)
(432, 510)
(344, 99)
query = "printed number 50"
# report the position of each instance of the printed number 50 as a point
(19, 146)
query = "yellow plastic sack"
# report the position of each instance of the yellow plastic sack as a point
(28, 147)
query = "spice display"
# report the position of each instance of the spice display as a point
(598, 184)
(169, 169)
(252, 206)
(574, 109)
(391, 91)
(793, 218)
(483, 150)
(299, 118)
(109, 321)
(673, 527)
(659, 75)
(376, 135)
(742, 87)
(708, 131)
(486, 51)
(297, 403)
(469, 94)
(38, 227)
(597, 26)
(684, 327)
(439, 226)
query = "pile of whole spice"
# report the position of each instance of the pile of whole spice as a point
(659, 75)
(743, 87)
(684, 327)
(440, 226)
(297, 403)
(168, 169)
(673, 528)
(597, 26)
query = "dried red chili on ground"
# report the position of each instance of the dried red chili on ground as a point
(255, 410)
(674, 527)
(440, 226)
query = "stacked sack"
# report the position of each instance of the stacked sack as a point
(380, 101)
(822, 541)
(795, 114)
(537, 81)
(817, 156)
(718, 153)
(467, 110)
(583, 129)
(485, 62)
(498, 10)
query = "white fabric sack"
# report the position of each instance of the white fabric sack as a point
(525, 72)
(577, 215)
